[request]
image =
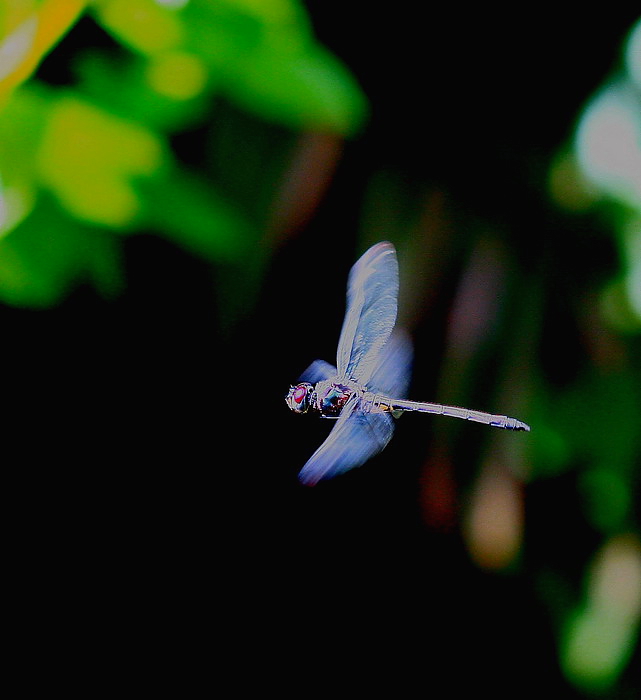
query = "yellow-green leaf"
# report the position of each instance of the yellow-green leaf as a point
(88, 158)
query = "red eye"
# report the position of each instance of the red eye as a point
(299, 393)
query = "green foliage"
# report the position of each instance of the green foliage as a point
(47, 253)
(102, 148)
(597, 418)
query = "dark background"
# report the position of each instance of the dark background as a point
(152, 459)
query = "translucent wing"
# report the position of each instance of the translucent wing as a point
(353, 440)
(372, 293)
(317, 371)
(391, 373)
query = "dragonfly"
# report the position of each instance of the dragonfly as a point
(366, 389)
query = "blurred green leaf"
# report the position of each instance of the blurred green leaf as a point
(125, 87)
(21, 123)
(607, 496)
(600, 633)
(101, 149)
(142, 25)
(88, 157)
(47, 254)
(595, 425)
(263, 56)
(595, 648)
(602, 414)
(551, 450)
(269, 63)
(224, 30)
(306, 89)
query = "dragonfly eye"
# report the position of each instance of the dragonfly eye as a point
(299, 397)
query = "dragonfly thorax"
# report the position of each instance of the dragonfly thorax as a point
(330, 397)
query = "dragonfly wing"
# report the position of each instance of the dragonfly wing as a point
(372, 298)
(317, 371)
(392, 370)
(355, 438)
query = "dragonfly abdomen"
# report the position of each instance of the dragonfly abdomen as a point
(387, 404)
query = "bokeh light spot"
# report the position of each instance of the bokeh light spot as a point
(608, 144)
(494, 523)
(633, 55)
(600, 635)
(16, 46)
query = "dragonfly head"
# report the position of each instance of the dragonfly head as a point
(299, 397)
